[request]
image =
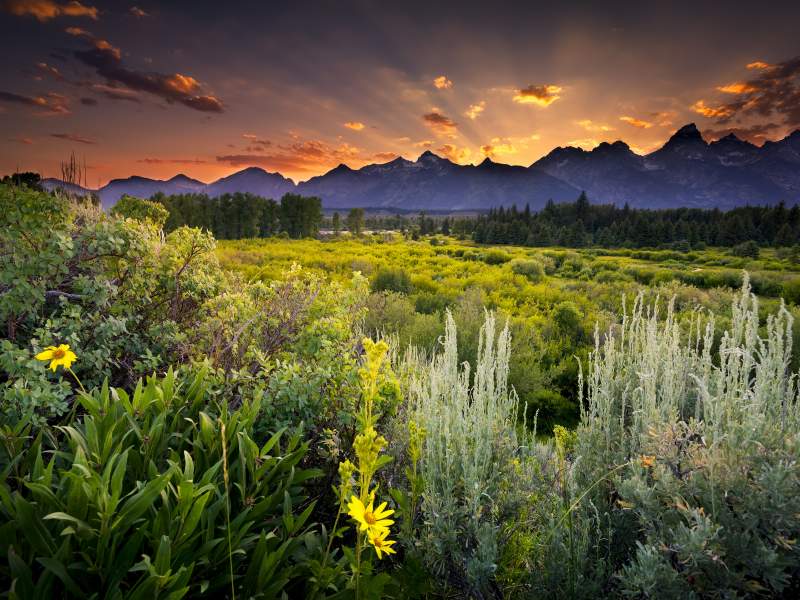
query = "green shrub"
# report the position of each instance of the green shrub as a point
(706, 458)
(128, 207)
(791, 291)
(393, 279)
(471, 450)
(551, 407)
(661, 277)
(496, 257)
(612, 277)
(138, 489)
(566, 315)
(112, 289)
(527, 267)
(430, 304)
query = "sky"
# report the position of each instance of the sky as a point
(207, 89)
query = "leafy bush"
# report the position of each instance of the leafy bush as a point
(566, 315)
(704, 494)
(111, 288)
(495, 257)
(394, 279)
(527, 267)
(152, 495)
(429, 304)
(662, 276)
(470, 450)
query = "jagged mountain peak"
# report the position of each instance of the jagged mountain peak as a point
(687, 132)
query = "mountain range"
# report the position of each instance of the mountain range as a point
(686, 171)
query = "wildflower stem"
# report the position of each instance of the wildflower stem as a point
(76, 379)
(227, 506)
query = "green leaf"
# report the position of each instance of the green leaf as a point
(33, 529)
(59, 571)
(162, 563)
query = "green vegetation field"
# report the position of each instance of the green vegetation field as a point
(554, 298)
(395, 415)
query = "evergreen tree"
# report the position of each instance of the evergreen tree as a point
(543, 236)
(446, 226)
(785, 237)
(577, 235)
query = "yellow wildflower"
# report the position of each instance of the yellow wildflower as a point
(370, 520)
(381, 544)
(62, 356)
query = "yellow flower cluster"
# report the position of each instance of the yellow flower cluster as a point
(374, 523)
(368, 446)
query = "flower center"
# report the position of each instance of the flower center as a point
(58, 353)
(370, 518)
(377, 543)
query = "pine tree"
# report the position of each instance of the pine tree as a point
(577, 235)
(785, 237)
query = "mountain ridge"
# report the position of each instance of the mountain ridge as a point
(685, 171)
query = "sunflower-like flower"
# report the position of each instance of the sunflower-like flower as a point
(373, 521)
(381, 544)
(62, 356)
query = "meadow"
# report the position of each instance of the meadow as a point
(553, 298)
(388, 416)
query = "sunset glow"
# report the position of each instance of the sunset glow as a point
(156, 90)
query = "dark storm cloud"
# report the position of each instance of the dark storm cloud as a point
(774, 91)
(107, 61)
(756, 134)
(89, 101)
(440, 123)
(171, 161)
(47, 9)
(74, 138)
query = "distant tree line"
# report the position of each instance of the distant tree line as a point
(579, 224)
(243, 215)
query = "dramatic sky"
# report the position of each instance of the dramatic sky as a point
(208, 88)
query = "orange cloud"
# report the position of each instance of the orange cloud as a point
(354, 125)
(171, 161)
(590, 143)
(255, 140)
(587, 124)
(139, 12)
(300, 157)
(403, 139)
(23, 140)
(636, 122)
(723, 111)
(451, 152)
(440, 123)
(542, 95)
(495, 148)
(74, 138)
(425, 144)
(442, 82)
(382, 157)
(46, 108)
(52, 71)
(759, 65)
(99, 167)
(47, 9)
(738, 88)
(475, 110)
